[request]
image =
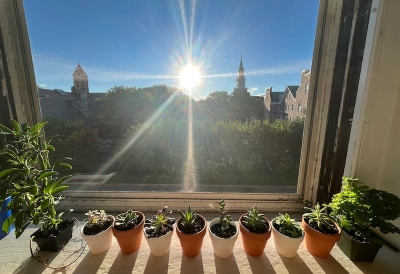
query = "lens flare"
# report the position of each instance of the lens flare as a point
(190, 77)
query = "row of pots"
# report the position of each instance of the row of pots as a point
(253, 243)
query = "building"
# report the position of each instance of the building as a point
(240, 88)
(72, 106)
(289, 104)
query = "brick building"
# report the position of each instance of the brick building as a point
(289, 104)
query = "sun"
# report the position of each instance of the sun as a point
(190, 76)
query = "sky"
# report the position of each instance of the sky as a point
(147, 42)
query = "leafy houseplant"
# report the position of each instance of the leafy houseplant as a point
(223, 232)
(288, 235)
(97, 231)
(158, 232)
(256, 230)
(191, 228)
(33, 184)
(321, 231)
(357, 209)
(127, 229)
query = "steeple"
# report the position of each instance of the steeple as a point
(81, 84)
(241, 80)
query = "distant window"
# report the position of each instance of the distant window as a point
(278, 108)
(290, 119)
(307, 87)
(273, 107)
(292, 107)
(299, 107)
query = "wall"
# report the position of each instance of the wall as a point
(374, 147)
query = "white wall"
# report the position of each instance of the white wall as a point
(374, 148)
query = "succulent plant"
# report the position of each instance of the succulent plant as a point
(159, 224)
(288, 226)
(125, 221)
(224, 219)
(254, 221)
(188, 217)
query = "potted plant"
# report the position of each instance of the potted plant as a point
(33, 186)
(256, 230)
(158, 232)
(288, 235)
(128, 229)
(191, 228)
(358, 209)
(97, 231)
(321, 231)
(223, 233)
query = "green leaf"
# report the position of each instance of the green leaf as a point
(47, 174)
(5, 130)
(58, 189)
(50, 148)
(8, 223)
(8, 171)
(64, 165)
(22, 229)
(15, 126)
(62, 214)
(59, 181)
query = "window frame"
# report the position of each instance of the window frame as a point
(332, 35)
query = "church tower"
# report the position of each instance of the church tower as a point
(241, 81)
(81, 85)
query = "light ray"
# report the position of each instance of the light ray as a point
(184, 23)
(137, 135)
(192, 17)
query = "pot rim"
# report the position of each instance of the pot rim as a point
(316, 231)
(268, 231)
(136, 227)
(232, 223)
(303, 233)
(99, 232)
(201, 231)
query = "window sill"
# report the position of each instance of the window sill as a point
(15, 258)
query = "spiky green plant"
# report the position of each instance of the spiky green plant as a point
(188, 217)
(288, 226)
(254, 221)
(319, 218)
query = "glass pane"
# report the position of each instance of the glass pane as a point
(175, 95)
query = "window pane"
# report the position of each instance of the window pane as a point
(172, 95)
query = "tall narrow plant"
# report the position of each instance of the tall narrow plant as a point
(30, 179)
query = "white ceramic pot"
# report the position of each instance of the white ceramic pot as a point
(161, 245)
(284, 245)
(100, 242)
(223, 248)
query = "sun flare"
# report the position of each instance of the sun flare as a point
(190, 76)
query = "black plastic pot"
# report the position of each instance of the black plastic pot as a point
(54, 244)
(358, 251)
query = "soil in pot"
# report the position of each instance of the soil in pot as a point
(191, 238)
(229, 233)
(198, 225)
(55, 239)
(97, 229)
(131, 225)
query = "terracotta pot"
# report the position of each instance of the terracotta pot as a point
(191, 243)
(317, 243)
(100, 242)
(254, 243)
(161, 245)
(223, 247)
(284, 245)
(129, 240)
